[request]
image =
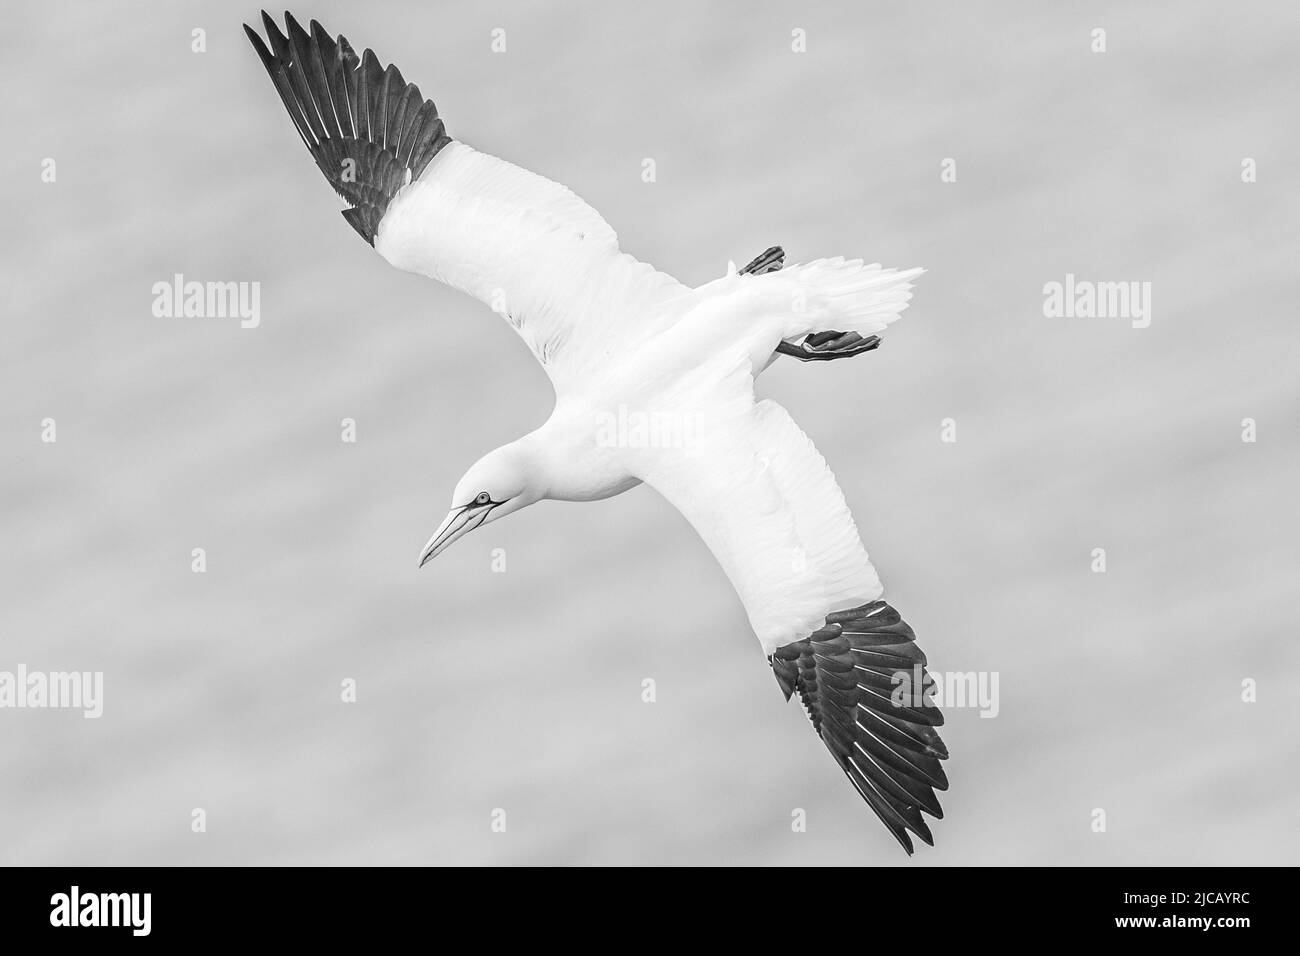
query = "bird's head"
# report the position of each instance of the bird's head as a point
(496, 485)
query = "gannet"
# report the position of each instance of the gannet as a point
(619, 338)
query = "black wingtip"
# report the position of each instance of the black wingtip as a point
(293, 25)
(897, 830)
(263, 52)
(356, 219)
(273, 31)
(258, 45)
(369, 139)
(845, 674)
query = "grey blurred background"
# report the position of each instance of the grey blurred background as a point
(522, 690)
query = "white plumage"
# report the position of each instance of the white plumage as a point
(533, 252)
(620, 339)
(614, 333)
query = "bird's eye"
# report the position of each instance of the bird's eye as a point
(483, 498)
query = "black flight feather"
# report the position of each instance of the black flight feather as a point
(846, 676)
(367, 129)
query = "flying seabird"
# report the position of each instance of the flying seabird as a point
(617, 336)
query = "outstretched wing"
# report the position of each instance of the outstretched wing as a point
(757, 491)
(526, 246)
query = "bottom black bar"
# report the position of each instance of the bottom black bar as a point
(97, 905)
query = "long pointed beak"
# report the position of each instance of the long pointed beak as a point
(459, 521)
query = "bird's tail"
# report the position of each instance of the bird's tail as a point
(845, 295)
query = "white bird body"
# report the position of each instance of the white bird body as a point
(645, 343)
(654, 383)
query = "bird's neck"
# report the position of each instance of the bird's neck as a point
(568, 463)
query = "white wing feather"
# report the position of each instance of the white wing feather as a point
(756, 490)
(533, 251)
